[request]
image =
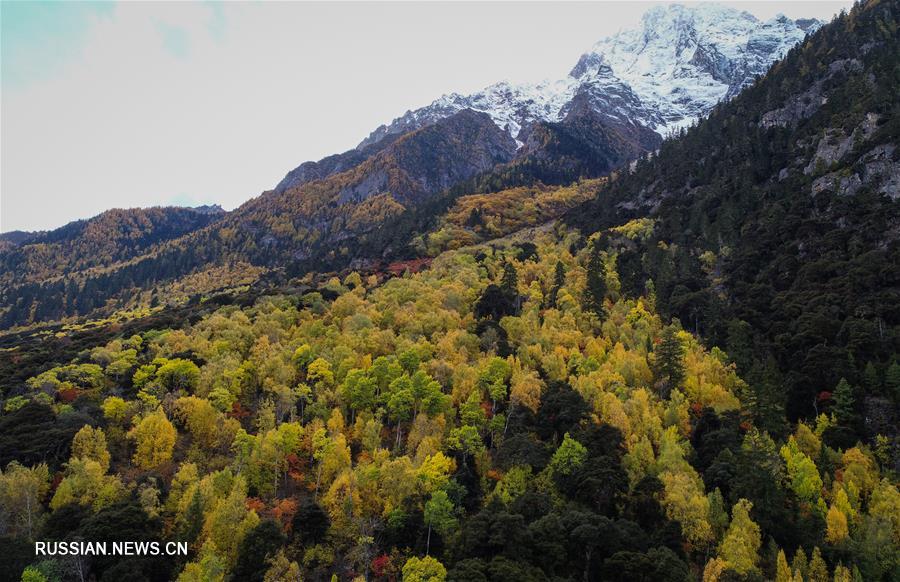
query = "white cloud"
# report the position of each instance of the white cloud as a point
(214, 103)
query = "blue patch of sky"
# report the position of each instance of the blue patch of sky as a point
(187, 200)
(175, 39)
(216, 24)
(39, 39)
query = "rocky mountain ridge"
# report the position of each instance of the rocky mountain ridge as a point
(674, 68)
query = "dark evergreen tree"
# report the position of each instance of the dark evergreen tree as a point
(310, 523)
(189, 529)
(658, 564)
(528, 251)
(257, 547)
(494, 303)
(669, 354)
(844, 403)
(474, 219)
(764, 397)
(559, 279)
(595, 293)
(126, 520)
(871, 379)
(509, 283)
(892, 381)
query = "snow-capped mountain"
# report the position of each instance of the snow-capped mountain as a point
(665, 74)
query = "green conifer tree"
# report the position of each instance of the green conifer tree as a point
(559, 279)
(669, 355)
(595, 294)
(844, 403)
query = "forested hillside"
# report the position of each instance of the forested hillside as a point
(778, 231)
(116, 235)
(508, 414)
(45, 275)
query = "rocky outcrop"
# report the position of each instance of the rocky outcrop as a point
(878, 169)
(835, 144)
(804, 105)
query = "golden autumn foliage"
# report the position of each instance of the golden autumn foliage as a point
(366, 407)
(90, 443)
(740, 546)
(154, 439)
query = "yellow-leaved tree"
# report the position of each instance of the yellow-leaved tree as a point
(208, 568)
(740, 546)
(86, 483)
(229, 521)
(683, 498)
(425, 569)
(836, 524)
(782, 570)
(154, 437)
(90, 443)
(22, 491)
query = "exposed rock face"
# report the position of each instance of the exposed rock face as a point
(434, 158)
(878, 169)
(683, 61)
(835, 144)
(511, 107)
(592, 141)
(805, 104)
(403, 173)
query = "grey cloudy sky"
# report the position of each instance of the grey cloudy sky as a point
(112, 105)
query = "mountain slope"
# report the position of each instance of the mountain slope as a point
(402, 175)
(339, 421)
(333, 164)
(683, 61)
(41, 273)
(358, 207)
(778, 218)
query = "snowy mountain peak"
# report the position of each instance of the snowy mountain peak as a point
(663, 75)
(682, 61)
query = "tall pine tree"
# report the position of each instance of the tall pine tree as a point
(559, 279)
(669, 355)
(595, 294)
(844, 403)
(509, 284)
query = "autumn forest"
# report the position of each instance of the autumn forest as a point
(685, 368)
